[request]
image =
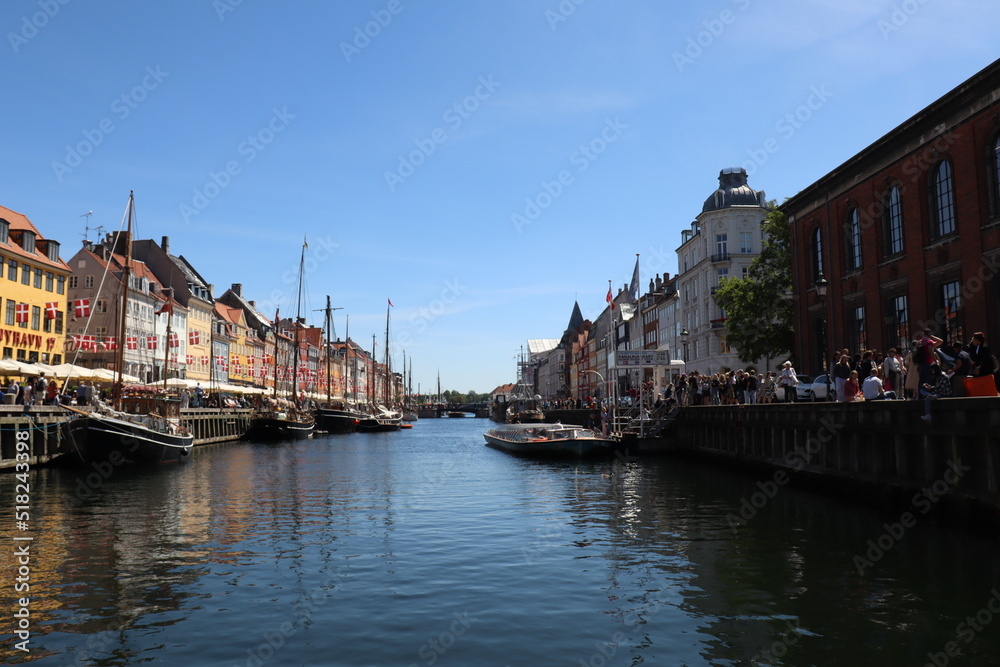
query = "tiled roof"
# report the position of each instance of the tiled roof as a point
(20, 222)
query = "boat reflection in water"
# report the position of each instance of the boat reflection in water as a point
(550, 440)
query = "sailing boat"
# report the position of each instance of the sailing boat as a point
(275, 422)
(336, 415)
(383, 418)
(409, 414)
(134, 429)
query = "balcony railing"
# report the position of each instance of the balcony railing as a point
(719, 323)
(720, 257)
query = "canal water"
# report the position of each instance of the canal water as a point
(424, 547)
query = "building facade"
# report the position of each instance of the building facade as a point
(721, 243)
(32, 292)
(906, 234)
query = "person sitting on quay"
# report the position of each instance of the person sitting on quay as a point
(872, 387)
(852, 389)
(941, 388)
(983, 361)
(961, 369)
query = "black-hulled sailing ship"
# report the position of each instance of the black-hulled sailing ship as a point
(336, 415)
(279, 418)
(133, 429)
(381, 417)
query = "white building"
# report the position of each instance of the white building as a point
(723, 240)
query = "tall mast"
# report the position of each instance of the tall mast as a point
(328, 327)
(352, 365)
(166, 343)
(388, 369)
(298, 315)
(274, 362)
(123, 307)
(374, 385)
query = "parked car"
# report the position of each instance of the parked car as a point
(822, 388)
(803, 390)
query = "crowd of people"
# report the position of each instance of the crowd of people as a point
(43, 391)
(930, 368)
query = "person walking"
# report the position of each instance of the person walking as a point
(788, 380)
(841, 371)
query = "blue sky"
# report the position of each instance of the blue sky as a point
(482, 164)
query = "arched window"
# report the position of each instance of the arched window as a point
(893, 223)
(995, 169)
(944, 200)
(816, 252)
(853, 240)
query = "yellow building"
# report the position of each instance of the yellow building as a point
(32, 292)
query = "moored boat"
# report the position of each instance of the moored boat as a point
(338, 418)
(566, 440)
(139, 430)
(381, 419)
(278, 425)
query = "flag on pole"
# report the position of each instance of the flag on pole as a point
(390, 303)
(610, 298)
(633, 286)
(167, 308)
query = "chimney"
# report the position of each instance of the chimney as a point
(165, 244)
(253, 304)
(238, 289)
(211, 290)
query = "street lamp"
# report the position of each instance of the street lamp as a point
(822, 285)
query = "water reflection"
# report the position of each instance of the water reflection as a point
(382, 548)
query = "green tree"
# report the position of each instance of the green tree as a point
(759, 307)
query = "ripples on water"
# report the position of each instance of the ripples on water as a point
(425, 547)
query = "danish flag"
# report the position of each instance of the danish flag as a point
(131, 343)
(194, 338)
(174, 340)
(110, 343)
(51, 308)
(81, 308)
(204, 360)
(152, 342)
(21, 313)
(189, 359)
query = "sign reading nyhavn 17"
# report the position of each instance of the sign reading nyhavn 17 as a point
(643, 357)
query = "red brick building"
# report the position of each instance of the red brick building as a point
(906, 233)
